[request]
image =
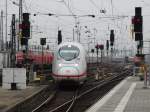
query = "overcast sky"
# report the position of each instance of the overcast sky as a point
(47, 26)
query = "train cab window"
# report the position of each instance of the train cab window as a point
(69, 52)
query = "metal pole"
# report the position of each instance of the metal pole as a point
(88, 51)
(73, 34)
(1, 32)
(20, 21)
(101, 56)
(94, 36)
(79, 33)
(13, 42)
(42, 58)
(97, 55)
(6, 26)
(145, 78)
(42, 54)
(111, 53)
(92, 57)
(107, 53)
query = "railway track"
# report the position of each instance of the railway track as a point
(78, 99)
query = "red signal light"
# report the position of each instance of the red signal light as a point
(132, 20)
(25, 26)
(101, 47)
(138, 21)
(97, 46)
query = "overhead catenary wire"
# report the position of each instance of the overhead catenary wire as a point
(96, 6)
(25, 6)
(75, 8)
(63, 22)
(68, 8)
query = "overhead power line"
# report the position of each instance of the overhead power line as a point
(68, 15)
(68, 7)
(97, 7)
(94, 4)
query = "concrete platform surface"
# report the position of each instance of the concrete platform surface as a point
(128, 96)
(9, 98)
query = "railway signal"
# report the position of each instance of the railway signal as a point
(138, 36)
(24, 41)
(101, 48)
(112, 37)
(107, 45)
(92, 50)
(97, 47)
(13, 41)
(43, 41)
(25, 25)
(59, 37)
(137, 21)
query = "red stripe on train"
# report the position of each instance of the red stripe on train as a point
(74, 76)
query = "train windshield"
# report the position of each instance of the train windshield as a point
(69, 52)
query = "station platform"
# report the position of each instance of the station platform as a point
(128, 96)
(10, 98)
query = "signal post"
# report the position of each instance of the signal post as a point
(137, 21)
(112, 39)
(25, 36)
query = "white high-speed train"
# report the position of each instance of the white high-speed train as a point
(69, 62)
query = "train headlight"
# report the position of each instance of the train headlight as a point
(76, 64)
(60, 65)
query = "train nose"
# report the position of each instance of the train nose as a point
(68, 71)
